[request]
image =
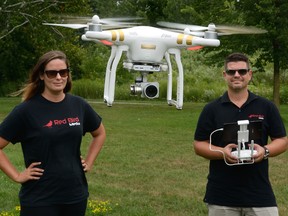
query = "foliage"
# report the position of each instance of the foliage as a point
(100, 208)
(267, 14)
(88, 88)
(23, 38)
(14, 212)
(94, 64)
(94, 208)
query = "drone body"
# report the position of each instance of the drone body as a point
(148, 44)
(148, 50)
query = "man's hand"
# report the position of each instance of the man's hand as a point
(227, 153)
(260, 153)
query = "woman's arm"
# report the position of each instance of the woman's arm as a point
(30, 173)
(99, 136)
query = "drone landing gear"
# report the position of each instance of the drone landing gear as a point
(149, 88)
(110, 78)
(180, 79)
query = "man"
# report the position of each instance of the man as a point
(235, 187)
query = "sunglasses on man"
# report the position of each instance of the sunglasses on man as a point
(241, 72)
(53, 73)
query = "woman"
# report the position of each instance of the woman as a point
(49, 124)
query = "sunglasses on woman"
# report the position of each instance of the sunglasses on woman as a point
(53, 73)
(241, 72)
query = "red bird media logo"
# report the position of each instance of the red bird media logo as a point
(70, 121)
(49, 124)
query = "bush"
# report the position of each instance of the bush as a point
(7, 88)
(201, 85)
(90, 89)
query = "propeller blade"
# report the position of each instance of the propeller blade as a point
(106, 21)
(198, 34)
(73, 26)
(182, 26)
(229, 30)
(120, 19)
(186, 31)
(220, 29)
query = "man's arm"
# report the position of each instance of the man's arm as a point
(277, 146)
(212, 152)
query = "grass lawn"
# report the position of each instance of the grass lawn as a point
(147, 165)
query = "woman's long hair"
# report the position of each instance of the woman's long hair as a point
(35, 85)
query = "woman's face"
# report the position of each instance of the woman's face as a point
(55, 76)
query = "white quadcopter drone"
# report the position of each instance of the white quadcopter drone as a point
(148, 50)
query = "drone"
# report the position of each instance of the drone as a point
(149, 49)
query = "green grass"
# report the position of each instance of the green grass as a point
(147, 165)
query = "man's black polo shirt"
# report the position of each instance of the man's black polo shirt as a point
(240, 185)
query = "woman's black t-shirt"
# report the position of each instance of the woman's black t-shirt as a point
(51, 133)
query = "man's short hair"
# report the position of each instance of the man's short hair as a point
(235, 57)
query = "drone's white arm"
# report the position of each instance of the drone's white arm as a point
(102, 35)
(84, 38)
(198, 41)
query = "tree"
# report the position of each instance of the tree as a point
(272, 15)
(23, 38)
(267, 14)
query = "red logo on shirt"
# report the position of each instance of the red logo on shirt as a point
(49, 124)
(65, 121)
(60, 122)
(73, 121)
(259, 116)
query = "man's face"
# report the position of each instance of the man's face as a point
(237, 75)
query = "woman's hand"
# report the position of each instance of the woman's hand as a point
(30, 173)
(84, 165)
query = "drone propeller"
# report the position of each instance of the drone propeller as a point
(181, 26)
(212, 30)
(72, 26)
(106, 23)
(95, 18)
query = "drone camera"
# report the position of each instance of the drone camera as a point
(135, 89)
(146, 89)
(151, 90)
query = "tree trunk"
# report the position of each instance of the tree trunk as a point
(276, 86)
(276, 57)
